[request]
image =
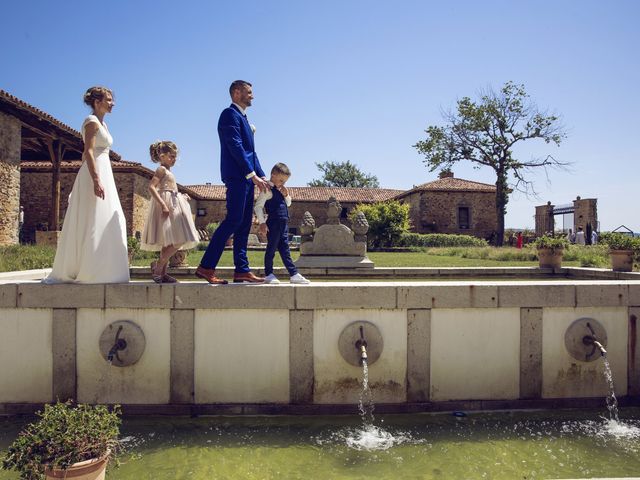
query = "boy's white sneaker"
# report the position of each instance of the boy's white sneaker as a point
(271, 278)
(297, 278)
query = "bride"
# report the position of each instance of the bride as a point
(93, 243)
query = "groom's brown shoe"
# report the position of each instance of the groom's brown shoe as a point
(209, 274)
(247, 277)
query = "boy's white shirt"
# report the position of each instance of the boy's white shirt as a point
(262, 199)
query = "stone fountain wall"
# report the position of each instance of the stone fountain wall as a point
(274, 349)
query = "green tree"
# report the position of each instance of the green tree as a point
(387, 221)
(344, 174)
(485, 133)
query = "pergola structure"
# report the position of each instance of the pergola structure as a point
(44, 138)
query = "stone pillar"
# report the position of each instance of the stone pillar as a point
(10, 142)
(544, 219)
(586, 211)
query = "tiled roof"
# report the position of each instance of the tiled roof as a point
(40, 119)
(117, 165)
(311, 194)
(449, 184)
(75, 164)
(6, 97)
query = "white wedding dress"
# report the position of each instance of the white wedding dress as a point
(93, 244)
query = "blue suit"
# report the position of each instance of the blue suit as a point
(238, 158)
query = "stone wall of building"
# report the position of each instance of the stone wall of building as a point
(141, 204)
(437, 212)
(214, 212)
(10, 141)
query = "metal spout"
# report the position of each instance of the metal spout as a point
(361, 345)
(119, 344)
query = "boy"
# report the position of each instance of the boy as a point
(275, 201)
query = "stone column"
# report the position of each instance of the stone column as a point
(586, 211)
(544, 219)
(10, 141)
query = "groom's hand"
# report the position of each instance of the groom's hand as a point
(263, 186)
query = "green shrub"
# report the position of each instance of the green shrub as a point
(439, 240)
(63, 435)
(387, 222)
(211, 227)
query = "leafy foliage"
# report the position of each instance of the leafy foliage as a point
(344, 174)
(64, 435)
(621, 241)
(554, 243)
(439, 240)
(387, 222)
(484, 132)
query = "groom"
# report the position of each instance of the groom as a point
(241, 170)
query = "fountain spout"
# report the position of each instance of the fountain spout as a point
(119, 344)
(592, 340)
(361, 345)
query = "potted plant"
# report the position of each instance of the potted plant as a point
(550, 250)
(621, 249)
(67, 441)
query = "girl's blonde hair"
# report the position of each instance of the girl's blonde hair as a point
(95, 94)
(162, 146)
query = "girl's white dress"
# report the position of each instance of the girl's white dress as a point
(177, 228)
(93, 244)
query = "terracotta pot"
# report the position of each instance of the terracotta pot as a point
(550, 257)
(621, 260)
(93, 469)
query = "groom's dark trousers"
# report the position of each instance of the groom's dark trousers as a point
(237, 159)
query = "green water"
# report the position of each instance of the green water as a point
(502, 445)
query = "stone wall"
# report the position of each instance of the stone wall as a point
(544, 219)
(10, 140)
(437, 212)
(35, 196)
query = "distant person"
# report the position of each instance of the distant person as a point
(169, 226)
(594, 237)
(241, 172)
(276, 202)
(571, 237)
(93, 243)
(580, 240)
(519, 240)
(21, 224)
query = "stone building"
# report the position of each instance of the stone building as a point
(40, 157)
(452, 205)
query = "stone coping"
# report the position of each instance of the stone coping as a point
(411, 294)
(12, 409)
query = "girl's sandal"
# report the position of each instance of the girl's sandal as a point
(167, 278)
(156, 278)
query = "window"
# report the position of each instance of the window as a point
(463, 218)
(344, 212)
(202, 212)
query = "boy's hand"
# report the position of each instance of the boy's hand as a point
(283, 190)
(263, 229)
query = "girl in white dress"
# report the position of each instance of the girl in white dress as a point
(169, 226)
(93, 244)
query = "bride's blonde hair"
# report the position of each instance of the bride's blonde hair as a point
(95, 94)
(162, 146)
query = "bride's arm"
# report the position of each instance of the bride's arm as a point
(90, 130)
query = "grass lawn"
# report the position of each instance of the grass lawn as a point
(27, 257)
(381, 259)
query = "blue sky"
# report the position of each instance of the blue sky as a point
(343, 80)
